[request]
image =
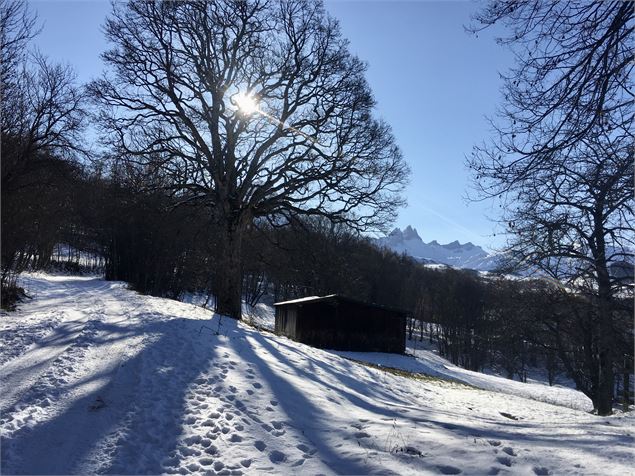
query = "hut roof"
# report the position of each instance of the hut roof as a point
(338, 297)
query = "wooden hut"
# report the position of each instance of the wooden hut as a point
(340, 323)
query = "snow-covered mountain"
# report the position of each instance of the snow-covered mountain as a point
(454, 254)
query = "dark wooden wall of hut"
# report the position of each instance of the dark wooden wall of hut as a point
(343, 325)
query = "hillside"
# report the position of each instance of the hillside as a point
(97, 378)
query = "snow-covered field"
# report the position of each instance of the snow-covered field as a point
(96, 378)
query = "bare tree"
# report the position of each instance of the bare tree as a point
(255, 108)
(45, 114)
(560, 161)
(17, 28)
(573, 64)
(41, 123)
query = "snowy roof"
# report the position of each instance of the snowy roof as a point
(338, 297)
(305, 299)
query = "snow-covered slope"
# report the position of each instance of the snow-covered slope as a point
(98, 379)
(455, 254)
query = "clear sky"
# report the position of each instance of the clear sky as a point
(433, 82)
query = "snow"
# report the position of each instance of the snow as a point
(111, 381)
(304, 299)
(429, 363)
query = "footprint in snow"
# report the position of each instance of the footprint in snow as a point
(509, 450)
(447, 469)
(187, 451)
(257, 385)
(277, 457)
(211, 450)
(191, 440)
(206, 442)
(505, 460)
(541, 471)
(306, 450)
(494, 442)
(260, 445)
(97, 405)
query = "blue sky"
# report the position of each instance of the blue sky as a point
(433, 82)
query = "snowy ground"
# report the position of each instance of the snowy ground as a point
(96, 378)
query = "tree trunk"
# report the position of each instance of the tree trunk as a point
(606, 341)
(626, 398)
(229, 286)
(606, 379)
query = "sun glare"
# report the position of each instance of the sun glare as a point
(246, 103)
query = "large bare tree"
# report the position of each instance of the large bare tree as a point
(254, 107)
(561, 158)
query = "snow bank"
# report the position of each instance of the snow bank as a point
(428, 363)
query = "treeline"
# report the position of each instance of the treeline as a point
(164, 247)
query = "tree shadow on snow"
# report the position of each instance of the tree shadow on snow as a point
(128, 418)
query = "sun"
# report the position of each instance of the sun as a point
(246, 103)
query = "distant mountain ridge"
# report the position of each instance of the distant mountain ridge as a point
(455, 254)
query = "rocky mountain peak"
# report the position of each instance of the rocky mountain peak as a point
(411, 234)
(452, 254)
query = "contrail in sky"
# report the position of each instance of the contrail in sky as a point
(454, 224)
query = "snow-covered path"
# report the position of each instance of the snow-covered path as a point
(98, 379)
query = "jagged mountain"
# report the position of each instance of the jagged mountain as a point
(454, 254)
(471, 256)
